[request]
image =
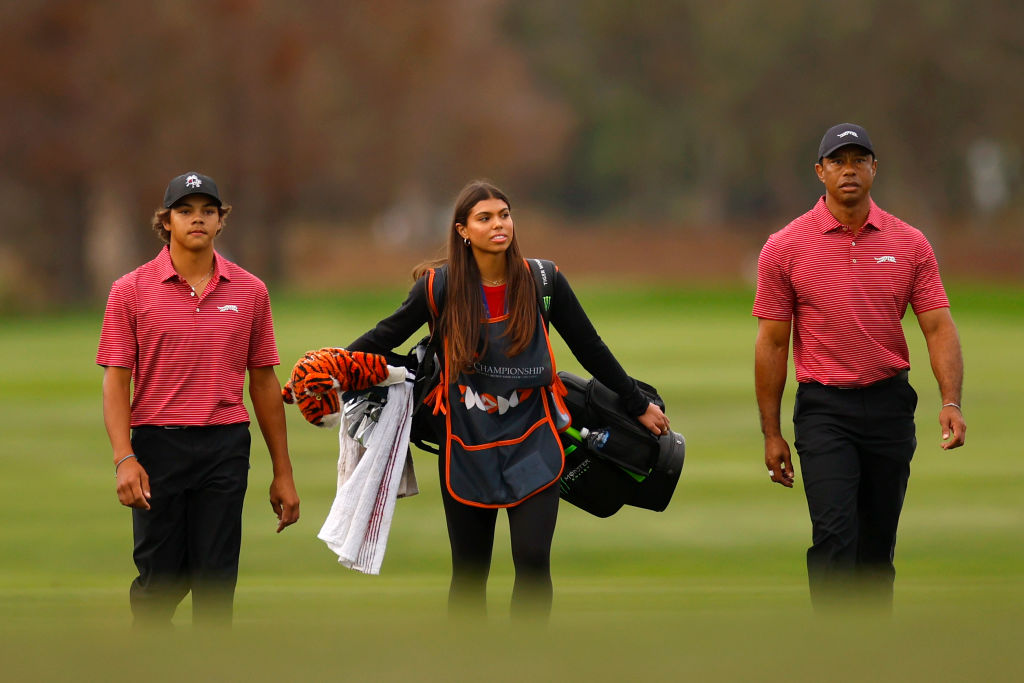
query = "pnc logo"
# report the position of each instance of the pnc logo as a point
(489, 403)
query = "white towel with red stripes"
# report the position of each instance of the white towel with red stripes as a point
(369, 482)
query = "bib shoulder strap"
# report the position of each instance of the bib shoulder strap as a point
(543, 272)
(437, 280)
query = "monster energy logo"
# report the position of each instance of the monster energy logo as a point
(570, 477)
(547, 302)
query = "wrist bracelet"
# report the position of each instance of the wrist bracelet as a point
(130, 455)
(954, 405)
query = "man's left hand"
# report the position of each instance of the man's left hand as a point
(284, 501)
(954, 429)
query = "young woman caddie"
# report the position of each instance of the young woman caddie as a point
(500, 395)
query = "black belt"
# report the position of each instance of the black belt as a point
(230, 424)
(165, 427)
(901, 376)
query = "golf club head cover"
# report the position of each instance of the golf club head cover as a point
(319, 376)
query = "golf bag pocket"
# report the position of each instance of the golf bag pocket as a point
(593, 484)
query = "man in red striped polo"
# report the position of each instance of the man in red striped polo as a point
(840, 278)
(184, 329)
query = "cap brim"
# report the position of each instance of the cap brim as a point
(170, 203)
(828, 152)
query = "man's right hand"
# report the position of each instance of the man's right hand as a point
(133, 484)
(778, 461)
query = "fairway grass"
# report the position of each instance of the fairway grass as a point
(711, 589)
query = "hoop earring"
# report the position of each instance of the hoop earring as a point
(466, 240)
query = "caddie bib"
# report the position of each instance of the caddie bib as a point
(502, 440)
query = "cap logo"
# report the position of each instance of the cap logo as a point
(193, 181)
(848, 132)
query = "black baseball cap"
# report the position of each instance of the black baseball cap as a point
(190, 183)
(842, 135)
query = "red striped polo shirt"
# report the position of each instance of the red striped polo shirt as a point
(188, 354)
(847, 296)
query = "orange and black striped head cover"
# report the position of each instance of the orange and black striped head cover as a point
(319, 376)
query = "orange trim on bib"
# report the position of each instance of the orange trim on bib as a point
(430, 294)
(436, 398)
(509, 442)
(498, 506)
(493, 506)
(557, 389)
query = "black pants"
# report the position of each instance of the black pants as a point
(189, 539)
(471, 534)
(855, 447)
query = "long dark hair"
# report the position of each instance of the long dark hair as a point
(464, 306)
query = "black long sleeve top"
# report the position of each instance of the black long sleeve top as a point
(566, 315)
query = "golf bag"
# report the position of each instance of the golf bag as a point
(611, 459)
(427, 429)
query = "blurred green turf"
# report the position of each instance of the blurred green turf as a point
(713, 588)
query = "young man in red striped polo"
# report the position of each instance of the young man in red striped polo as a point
(841, 277)
(184, 329)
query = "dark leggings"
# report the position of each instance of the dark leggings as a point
(471, 533)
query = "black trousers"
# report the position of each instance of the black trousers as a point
(471, 534)
(189, 539)
(855, 448)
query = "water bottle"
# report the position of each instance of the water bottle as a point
(592, 439)
(595, 440)
(620, 452)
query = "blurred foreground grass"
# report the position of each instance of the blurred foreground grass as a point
(711, 589)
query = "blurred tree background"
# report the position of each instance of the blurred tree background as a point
(359, 121)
